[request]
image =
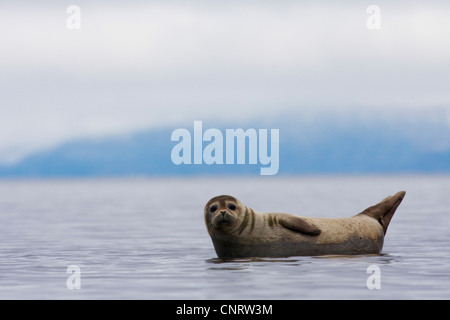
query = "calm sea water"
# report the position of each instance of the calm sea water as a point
(146, 239)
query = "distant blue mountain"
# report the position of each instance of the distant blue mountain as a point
(322, 144)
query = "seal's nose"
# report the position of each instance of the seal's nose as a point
(223, 212)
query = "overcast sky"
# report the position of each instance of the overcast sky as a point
(141, 64)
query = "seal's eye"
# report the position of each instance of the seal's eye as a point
(231, 207)
(213, 208)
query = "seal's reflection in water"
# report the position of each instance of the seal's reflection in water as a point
(244, 263)
(378, 259)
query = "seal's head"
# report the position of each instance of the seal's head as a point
(223, 213)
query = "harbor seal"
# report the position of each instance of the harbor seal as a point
(238, 231)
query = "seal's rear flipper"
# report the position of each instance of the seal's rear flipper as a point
(384, 210)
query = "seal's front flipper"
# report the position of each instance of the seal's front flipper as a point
(298, 224)
(384, 210)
